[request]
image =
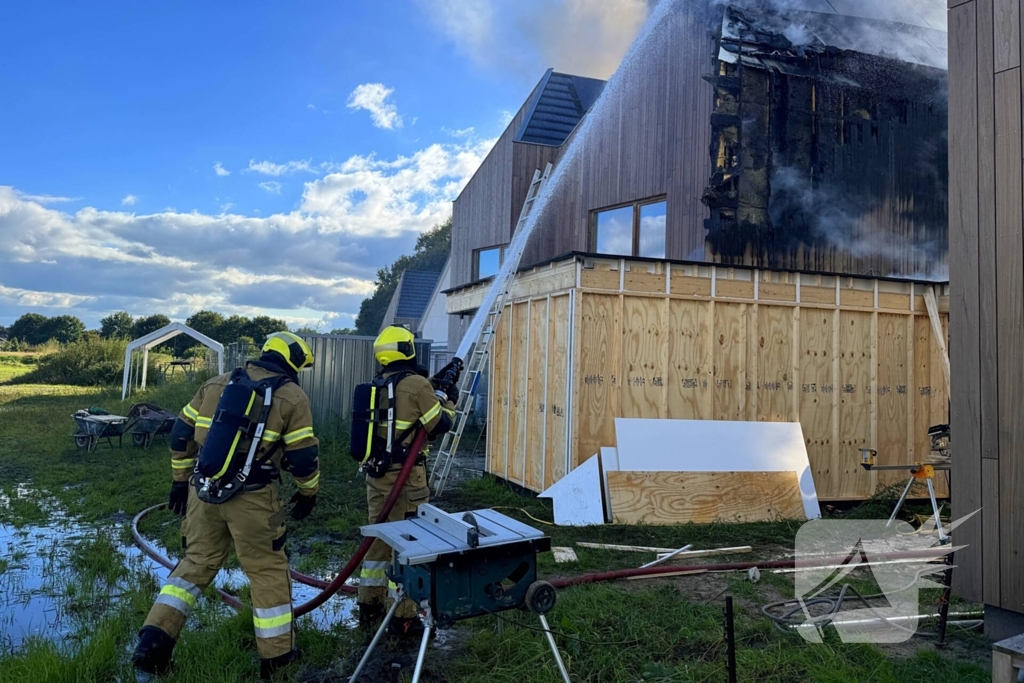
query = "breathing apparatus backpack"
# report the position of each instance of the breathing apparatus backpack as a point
(375, 453)
(221, 470)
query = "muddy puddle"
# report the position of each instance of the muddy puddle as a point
(49, 590)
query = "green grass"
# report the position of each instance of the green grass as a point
(660, 630)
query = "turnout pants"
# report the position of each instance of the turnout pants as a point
(254, 521)
(374, 587)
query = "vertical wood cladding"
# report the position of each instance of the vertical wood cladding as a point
(650, 139)
(987, 303)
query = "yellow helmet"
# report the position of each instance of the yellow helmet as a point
(394, 344)
(292, 348)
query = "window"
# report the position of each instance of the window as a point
(486, 262)
(636, 229)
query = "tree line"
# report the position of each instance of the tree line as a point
(34, 329)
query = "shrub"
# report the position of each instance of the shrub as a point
(86, 363)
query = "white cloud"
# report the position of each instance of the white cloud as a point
(220, 170)
(505, 117)
(47, 198)
(317, 260)
(287, 168)
(271, 186)
(227, 206)
(372, 97)
(129, 200)
(311, 106)
(582, 37)
(459, 132)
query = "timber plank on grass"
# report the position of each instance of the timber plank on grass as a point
(703, 497)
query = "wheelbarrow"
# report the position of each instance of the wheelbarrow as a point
(93, 429)
(150, 421)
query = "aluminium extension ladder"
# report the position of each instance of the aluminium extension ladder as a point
(480, 350)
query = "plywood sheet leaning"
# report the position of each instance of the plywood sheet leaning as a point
(519, 371)
(498, 408)
(716, 446)
(556, 435)
(536, 399)
(597, 375)
(703, 497)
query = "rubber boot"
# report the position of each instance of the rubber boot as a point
(269, 667)
(370, 616)
(153, 653)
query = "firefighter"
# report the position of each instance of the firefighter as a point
(229, 493)
(418, 401)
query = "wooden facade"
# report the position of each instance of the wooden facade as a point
(987, 303)
(588, 339)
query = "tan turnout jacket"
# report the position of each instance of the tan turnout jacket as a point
(290, 421)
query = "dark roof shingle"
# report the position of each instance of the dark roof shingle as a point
(557, 109)
(416, 288)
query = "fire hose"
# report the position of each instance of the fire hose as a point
(327, 588)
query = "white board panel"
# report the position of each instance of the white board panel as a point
(577, 496)
(656, 445)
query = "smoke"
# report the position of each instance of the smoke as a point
(828, 215)
(581, 37)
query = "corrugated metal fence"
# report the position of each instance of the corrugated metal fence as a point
(342, 362)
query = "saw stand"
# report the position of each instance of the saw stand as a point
(457, 566)
(918, 472)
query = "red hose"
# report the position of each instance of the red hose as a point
(328, 588)
(933, 554)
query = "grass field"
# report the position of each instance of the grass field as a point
(15, 364)
(656, 630)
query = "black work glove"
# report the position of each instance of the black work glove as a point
(303, 505)
(178, 500)
(449, 374)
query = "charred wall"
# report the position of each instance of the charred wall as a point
(825, 159)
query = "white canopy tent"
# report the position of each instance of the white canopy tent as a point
(142, 345)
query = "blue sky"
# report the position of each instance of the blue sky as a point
(259, 156)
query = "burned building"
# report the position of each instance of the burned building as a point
(828, 144)
(811, 138)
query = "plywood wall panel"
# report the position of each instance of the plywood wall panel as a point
(729, 372)
(536, 395)
(498, 398)
(597, 374)
(817, 345)
(773, 344)
(855, 399)
(518, 378)
(852, 378)
(689, 376)
(556, 436)
(1007, 34)
(892, 396)
(642, 369)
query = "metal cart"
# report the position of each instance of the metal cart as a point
(149, 422)
(92, 429)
